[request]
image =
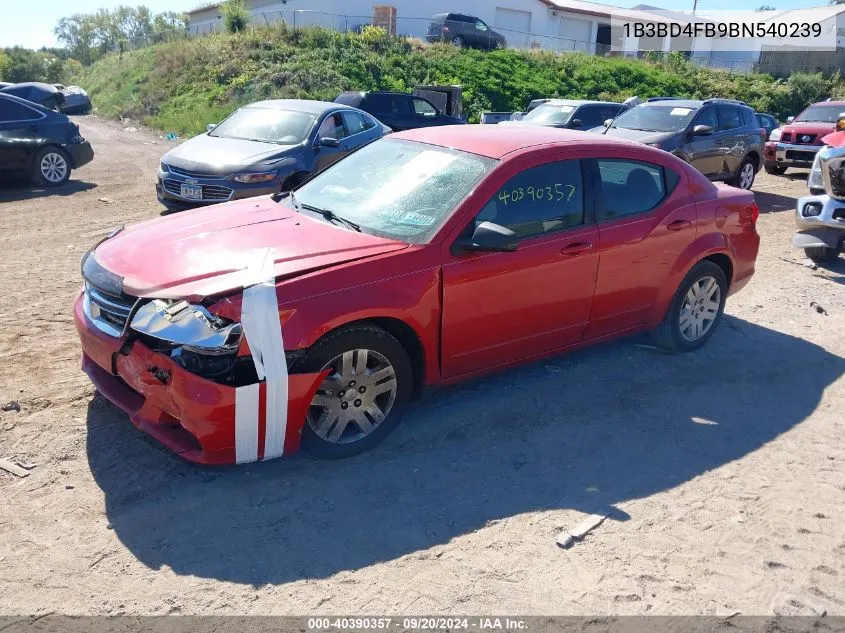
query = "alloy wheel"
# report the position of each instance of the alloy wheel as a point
(700, 309)
(746, 176)
(53, 167)
(355, 398)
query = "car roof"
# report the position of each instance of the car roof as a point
(693, 104)
(836, 103)
(299, 105)
(577, 102)
(496, 141)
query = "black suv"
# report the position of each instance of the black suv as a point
(398, 110)
(721, 138)
(463, 30)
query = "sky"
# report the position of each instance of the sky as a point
(30, 22)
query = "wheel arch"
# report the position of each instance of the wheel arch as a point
(409, 338)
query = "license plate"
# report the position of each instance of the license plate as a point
(192, 192)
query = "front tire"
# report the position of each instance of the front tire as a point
(361, 401)
(458, 41)
(744, 177)
(775, 170)
(695, 311)
(51, 167)
(821, 254)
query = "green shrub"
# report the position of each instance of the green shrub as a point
(235, 15)
(227, 71)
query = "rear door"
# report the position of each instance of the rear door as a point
(645, 221)
(359, 127)
(705, 153)
(20, 135)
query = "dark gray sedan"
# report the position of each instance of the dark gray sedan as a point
(262, 148)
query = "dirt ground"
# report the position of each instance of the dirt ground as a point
(723, 471)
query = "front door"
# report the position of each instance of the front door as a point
(331, 127)
(502, 307)
(705, 151)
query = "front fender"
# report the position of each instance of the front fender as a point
(704, 246)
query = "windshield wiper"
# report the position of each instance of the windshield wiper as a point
(328, 214)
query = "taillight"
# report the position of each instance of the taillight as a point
(445, 29)
(755, 212)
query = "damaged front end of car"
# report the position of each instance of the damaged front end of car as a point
(183, 373)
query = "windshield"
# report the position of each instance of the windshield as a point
(550, 114)
(655, 118)
(397, 189)
(821, 113)
(269, 125)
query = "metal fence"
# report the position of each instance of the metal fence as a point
(774, 62)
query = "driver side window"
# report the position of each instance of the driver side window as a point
(539, 200)
(707, 117)
(424, 108)
(332, 127)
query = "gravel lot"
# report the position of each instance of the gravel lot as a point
(723, 471)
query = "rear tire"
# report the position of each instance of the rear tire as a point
(362, 400)
(745, 173)
(775, 170)
(821, 254)
(698, 303)
(51, 167)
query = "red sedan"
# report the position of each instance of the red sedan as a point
(239, 332)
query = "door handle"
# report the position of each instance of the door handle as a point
(576, 248)
(679, 225)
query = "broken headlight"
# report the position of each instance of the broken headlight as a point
(191, 327)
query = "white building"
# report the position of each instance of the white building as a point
(557, 25)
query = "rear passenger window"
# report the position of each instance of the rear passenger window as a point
(11, 111)
(356, 122)
(729, 118)
(539, 200)
(377, 103)
(630, 187)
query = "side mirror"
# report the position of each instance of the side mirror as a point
(790, 119)
(328, 141)
(210, 127)
(576, 123)
(702, 130)
(608, 122)
(491, 238)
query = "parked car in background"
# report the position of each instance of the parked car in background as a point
(43, 94)
(797, 143)
(719, 137)
(378, 267)
(38, 143)
(398, 110)
(262, 148)
(767, 122)
(571, 114)
(77, 100)
(464, 30)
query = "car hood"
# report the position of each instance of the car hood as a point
(206, 252)
(642, 136)
(206, 154)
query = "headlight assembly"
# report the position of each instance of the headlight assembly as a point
(192, 327)
(776, 134)
(249, 179)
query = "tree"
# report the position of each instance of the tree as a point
(235, 15)
(77, 33)
(5, 66)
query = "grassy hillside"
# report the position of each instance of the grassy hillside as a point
(183, 85)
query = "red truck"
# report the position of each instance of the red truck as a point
(797, 143)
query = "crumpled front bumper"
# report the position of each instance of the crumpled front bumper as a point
(826, 228)
(190, 415)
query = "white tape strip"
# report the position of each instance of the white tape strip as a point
(246, 423)
(263, 331)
